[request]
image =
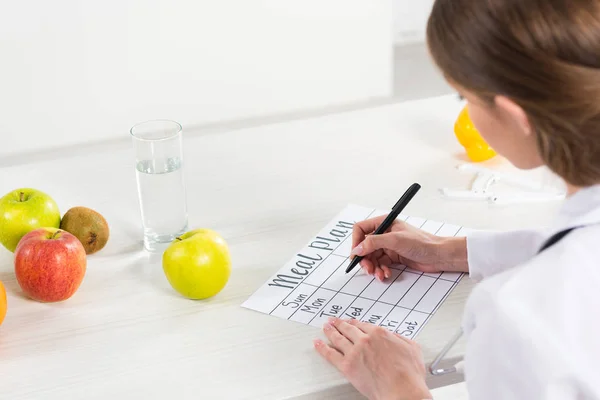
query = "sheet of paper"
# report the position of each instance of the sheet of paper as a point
(313, 285)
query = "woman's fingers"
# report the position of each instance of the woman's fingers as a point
(404, 338)
(385, 263)
(380, 365)
(348, 330)
(375, 259)
(366, 327)
(363, 228)
(367, 265)
(339, 341)
(387, 271)
(386, 241)
(329, 353)
(377, 264)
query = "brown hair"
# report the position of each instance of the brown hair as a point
(542, 54)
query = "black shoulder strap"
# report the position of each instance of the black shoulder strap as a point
(557, 237)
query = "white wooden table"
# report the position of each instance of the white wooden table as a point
(126, 334)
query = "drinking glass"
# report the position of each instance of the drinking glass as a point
(160, 182)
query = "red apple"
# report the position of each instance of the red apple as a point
(50, 264)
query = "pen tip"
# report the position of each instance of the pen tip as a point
(352, 264)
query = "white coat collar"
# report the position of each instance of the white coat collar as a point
(580, 209)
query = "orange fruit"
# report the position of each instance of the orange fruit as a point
(475, 146)
(3, 302)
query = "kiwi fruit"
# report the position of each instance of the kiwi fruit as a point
(87, 225)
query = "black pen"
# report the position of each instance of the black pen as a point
(389, 220)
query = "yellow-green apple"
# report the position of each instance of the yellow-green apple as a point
(24, 210)
(197, 264)
(49, 264)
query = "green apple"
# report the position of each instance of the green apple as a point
(197, 264)
(24, 210)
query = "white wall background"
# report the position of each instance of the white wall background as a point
(75, 71)
(410, 20)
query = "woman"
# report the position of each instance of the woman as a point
(530, 72)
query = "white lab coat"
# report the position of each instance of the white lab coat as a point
(532, 324)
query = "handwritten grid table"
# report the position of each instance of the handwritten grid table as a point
(313, 285)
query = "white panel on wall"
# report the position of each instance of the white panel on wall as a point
(410, 20)
(76, 71)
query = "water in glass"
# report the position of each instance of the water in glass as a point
(162, 200)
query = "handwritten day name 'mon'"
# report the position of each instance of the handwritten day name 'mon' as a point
(314, 285)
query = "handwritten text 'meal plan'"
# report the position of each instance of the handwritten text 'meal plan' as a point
(317, 251)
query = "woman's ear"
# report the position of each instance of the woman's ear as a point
(514, 113)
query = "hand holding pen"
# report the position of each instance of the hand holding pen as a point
(377, 244)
